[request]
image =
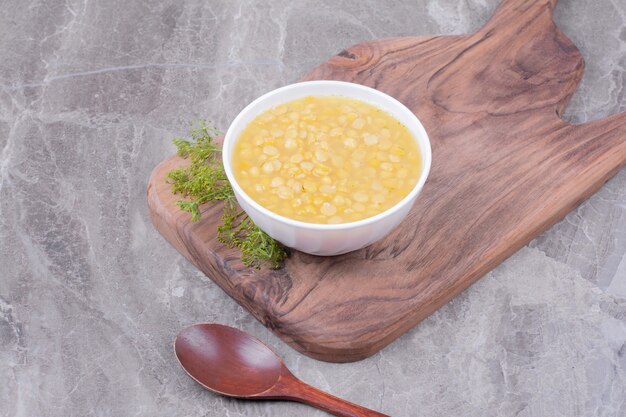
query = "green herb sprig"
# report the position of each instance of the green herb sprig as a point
(204, 180)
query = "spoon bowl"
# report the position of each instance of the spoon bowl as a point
(231, 362)
(226, 360)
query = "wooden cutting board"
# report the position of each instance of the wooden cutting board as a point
(505, 168)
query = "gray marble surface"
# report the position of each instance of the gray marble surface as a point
(91, 296)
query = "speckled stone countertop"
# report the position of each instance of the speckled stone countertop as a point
(91, 296)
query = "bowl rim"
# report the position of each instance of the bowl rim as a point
(419, 130)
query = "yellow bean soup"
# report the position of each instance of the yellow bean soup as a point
(326, 159)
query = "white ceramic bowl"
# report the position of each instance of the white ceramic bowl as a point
(326, 239)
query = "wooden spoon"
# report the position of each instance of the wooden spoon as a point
(233, 363)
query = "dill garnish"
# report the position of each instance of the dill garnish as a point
(204, 180)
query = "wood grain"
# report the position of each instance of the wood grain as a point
(505, 168)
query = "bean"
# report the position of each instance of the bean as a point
(328, 209)
(270, 150)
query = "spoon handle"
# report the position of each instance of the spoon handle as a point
(304, 393)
